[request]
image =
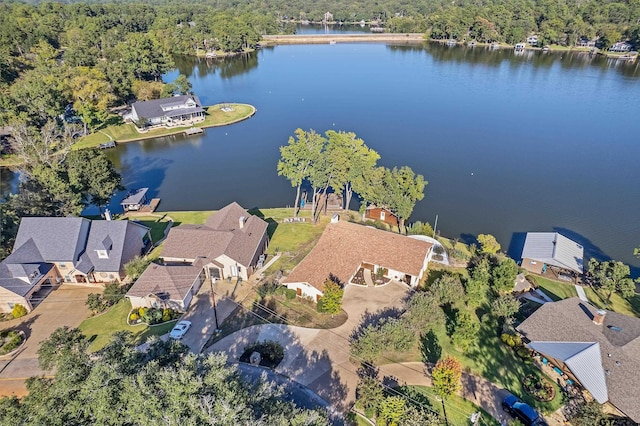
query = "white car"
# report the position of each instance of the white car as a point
(180, 329)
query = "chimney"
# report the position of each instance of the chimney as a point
(598, 317)
(241, 221)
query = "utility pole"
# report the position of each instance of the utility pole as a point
(213, 303)
(435, 227)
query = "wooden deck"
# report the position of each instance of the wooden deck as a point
(193, 131)
(145, 209)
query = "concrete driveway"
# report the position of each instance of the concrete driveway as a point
(319, 359)
(63, 306)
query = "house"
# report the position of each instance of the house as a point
(135, 200)
(229, 245)
(344, 248)
(52, 250)
(176, 111)
(382, 214)
(552, 250)
(621, 46)
(328, 17)
(598, 349)
(532, 40)
(584, 41)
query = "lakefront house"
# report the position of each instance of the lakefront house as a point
(180, 110)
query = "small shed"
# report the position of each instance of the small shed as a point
(382, 214)
(135, 200)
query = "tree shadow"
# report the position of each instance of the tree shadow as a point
(374, 319)
(430, 348)
(450, 314)
(468, 239)
(26, 325)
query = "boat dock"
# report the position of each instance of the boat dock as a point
(144, 209)
(193, 131)
(107, 145)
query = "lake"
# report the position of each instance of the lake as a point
(509, 143)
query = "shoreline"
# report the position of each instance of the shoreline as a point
(181, 129)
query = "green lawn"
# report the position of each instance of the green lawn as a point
(157, 225)
(458, 409)
(127, 132)
(618, 303)
(101, 327)
(556, 290)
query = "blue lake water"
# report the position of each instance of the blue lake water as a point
(509, 143)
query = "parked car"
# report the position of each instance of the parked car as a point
(522, 411)
(180, 329)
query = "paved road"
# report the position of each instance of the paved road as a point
(63, 306)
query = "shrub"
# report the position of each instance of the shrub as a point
(19, 311)
(511, 340)
(134, 317)
(142, 312)
(290, 293)
(113, 293)
(523, 352)
(94, 302)
(10, 340)
(166, 315)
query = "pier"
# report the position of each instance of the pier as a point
(193, 131)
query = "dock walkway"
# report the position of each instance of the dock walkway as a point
(193, 131)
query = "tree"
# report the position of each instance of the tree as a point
(402, 188)
(488, 244)
(93, 175)
(369, 394)
(477, 285)
(42, 147)
(465, 330)
(447, 289)
(136, 266)
(331, 301)
(446, 379)
(503, 276)
(91, 94)
(392, 410)
(505, 306)
(613, 277)
(9, 222)
(297, 158)
(183, 85)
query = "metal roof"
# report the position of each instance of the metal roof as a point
(554, 249)
(583, 359)
(156, 108)
(135, 197)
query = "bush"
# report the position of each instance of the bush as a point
(9, 340)
(142, 312)
(290, 293)
(113, 293)
(511, 340)
(270, 351)
(94, 302)
(19, 311)
(134, 317)
(166, 315)
(523, 352)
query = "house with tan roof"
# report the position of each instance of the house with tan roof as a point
(596, 348)
(227, 246)
(344, 248)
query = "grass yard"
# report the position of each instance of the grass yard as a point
(127, 132)
(157, 225)
(617, 304)
(488, 358)
(458, 409)
(554, 289)
(100, 328)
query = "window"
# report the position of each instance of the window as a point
(102, 254)
(67, 279)
(11, 305)
(382, 215)
(234, 271)
(62, 266)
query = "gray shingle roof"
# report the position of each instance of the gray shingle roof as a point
(57, 239)
(554, 249)
(154, 108)
(618, 338)
(20, 278)
(124, 237)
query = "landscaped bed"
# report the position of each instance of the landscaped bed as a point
(271, 353)
(10, 340)
(100, 328)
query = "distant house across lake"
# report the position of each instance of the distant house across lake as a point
(176, 111)
(621, 46)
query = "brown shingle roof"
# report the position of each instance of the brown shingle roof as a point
(571, 320)
(173, 280)
(343, 246)
(221, 234)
